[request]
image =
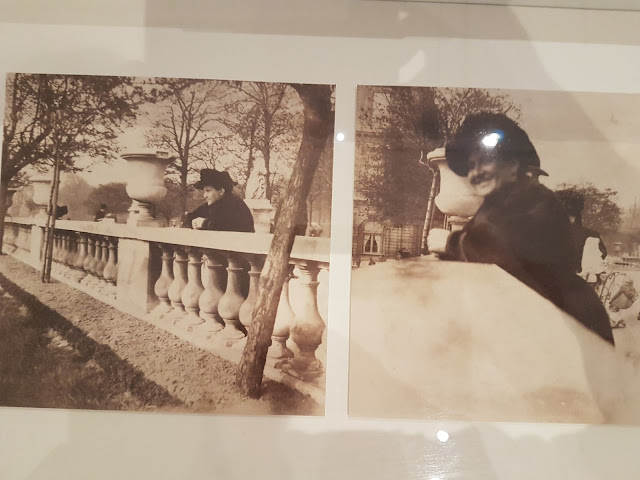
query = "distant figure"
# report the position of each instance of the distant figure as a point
(592, 262)
(61, 211)
(100, 214)
(590, 251)
(223, 210)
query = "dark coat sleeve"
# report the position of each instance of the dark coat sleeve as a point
(201, 212)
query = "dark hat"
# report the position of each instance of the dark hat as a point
(536, 171)
(495, 132)
(214, 178)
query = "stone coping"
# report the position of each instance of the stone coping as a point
(315, 249)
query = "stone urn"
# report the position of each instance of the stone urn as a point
(9, 198)
(456, 198)
(145, 184)
(41, 192)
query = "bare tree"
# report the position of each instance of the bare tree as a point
(265, 120)
(190, 109)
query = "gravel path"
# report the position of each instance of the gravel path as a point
(201, 380)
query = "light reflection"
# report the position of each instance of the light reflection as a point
(491, 140)
(340, 137)
(442, 436)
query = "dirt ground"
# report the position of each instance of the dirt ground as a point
(200, 381)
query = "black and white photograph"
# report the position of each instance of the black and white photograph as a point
(496, 255)
(165, 244)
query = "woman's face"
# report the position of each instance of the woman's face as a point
(212, 195)
(488, 173)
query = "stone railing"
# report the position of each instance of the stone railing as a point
(204, 283)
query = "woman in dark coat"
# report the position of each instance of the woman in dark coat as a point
(521, 226)
(223, 210)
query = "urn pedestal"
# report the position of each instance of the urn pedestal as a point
(146, 186)
(456, 198)
(262, 210)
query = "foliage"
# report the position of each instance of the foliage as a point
(113, 195)
(454, 104)
(76, 194)
(601, 212)
(65, 115)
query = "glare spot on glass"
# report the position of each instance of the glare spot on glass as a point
(340, 137)
(491, 140)
(442, 436)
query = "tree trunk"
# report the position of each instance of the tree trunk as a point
(318, 126)
(184, 172)
(51, 221)
(4, 189)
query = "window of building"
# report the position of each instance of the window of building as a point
(372, 243)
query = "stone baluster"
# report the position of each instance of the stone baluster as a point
(10, 235)
(18, 240)
(284, 319)
(193, 289)
(246, 310)
(232, 300)
(55, 252)
(180, 278)
(161, 287)
(306, 330)
(110, 272)
(27, 238)
(71, 258)
(91, 249)
(16, 236)
(78, 263)
(75, 250)
(102, 263)
(25, 242)
(215, 275)
(66, 253)
(97, 254)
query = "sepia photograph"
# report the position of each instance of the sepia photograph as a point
(496, 256)
(165, 244)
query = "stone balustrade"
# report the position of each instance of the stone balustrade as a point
(206, 283)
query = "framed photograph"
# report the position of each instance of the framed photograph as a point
(496, 268)
(138, 216)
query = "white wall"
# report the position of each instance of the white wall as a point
(346, 43)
